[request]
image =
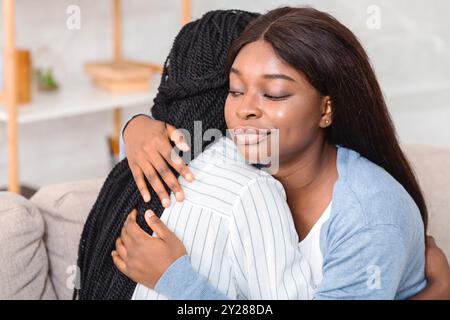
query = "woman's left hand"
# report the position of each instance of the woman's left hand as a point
(437, 272)
(144, 258)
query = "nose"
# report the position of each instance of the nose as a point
(249, 108)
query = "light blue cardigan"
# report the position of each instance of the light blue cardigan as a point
(372, 244)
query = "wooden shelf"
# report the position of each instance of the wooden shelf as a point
(70, 100)
(77, 99)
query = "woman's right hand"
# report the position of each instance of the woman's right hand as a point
(149, 153)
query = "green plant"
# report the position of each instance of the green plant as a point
(46, 80)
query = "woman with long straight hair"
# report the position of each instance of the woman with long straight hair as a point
(356, 205)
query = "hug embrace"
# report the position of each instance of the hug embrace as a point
(295, 186)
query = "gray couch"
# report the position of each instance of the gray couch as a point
(39, 237)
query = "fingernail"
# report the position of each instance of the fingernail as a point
(146, 197)
(184, 146)
(179, 196)
(149, 213)
(165, 202)
(189, 177)
(112, 253)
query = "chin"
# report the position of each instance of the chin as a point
(255, 153)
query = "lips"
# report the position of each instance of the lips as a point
(249, 136)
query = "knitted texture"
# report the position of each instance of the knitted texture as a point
(193, 87)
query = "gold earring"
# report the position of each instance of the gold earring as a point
(327, 122)
(329, 106)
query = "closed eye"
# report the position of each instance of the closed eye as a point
(277, 98)
(234, 93)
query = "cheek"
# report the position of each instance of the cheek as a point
(298, 123)
(228, 112)
(296, 116)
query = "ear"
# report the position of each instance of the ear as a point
(327, 112)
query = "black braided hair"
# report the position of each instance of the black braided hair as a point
(193, 87)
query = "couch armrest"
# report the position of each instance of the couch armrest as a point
(65, 208)
(23, 256)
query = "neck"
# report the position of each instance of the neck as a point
(308, 171)
(308, 181)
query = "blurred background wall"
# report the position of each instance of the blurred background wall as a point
(409, 48)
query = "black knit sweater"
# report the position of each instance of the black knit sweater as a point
(193, 88)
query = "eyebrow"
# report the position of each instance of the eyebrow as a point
(266, 76)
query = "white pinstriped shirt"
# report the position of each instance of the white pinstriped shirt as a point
(237, 229)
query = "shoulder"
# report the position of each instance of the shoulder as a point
(223, 177)
(374, 228)
(367, 197)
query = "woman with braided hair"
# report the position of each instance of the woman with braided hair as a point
(193, 88)
(300, 71)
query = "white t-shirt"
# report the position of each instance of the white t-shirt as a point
(310, 248)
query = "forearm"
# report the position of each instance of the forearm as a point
(433, 292)
(182, 282)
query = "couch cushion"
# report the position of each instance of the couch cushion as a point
(23, 258)
(432, 167)
(65, 208)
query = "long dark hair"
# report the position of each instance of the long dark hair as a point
(335, 63)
